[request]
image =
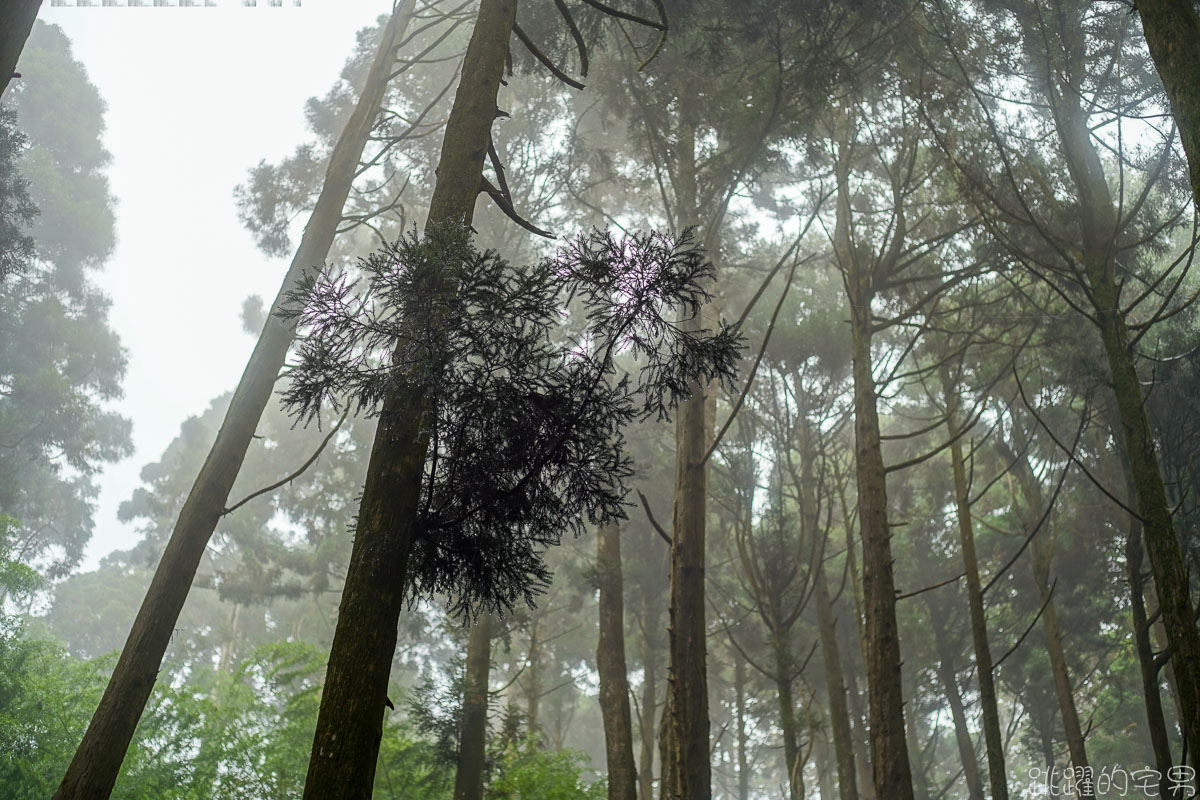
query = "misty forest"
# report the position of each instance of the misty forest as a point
(662, 400)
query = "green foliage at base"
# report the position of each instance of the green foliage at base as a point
(212, 735)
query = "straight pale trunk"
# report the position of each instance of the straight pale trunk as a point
(349, 723)
(94, 769)
(610, 665)
(472, 740)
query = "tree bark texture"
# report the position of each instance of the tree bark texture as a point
(97, 763)
(610, 665)
(349, 723)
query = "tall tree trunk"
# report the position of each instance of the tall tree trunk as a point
(889, 748)
(472, 740)
(688, 675)
(650, 662)
(610, 664)
(533, 684)
(739, 685)
(787, 713)
(1058, 658)
(16, 21)
(94, 769)
(1041, 555)
(1099, 225)
(349, 723)
(993, 739)
(949, 678)
(835, 686)
(1172, 28)
(1155, 719)
(858, 735)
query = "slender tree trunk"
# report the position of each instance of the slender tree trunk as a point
(993, 739)
(787, 714)
(947, 675)
(1155, 719)
(843, 743)
(835, 685)
(1172, 28)
(349, 723)
(858, 735)
(889, 748)
(650, 661)
(16, 21)
(1058, 658)
(94, 769)
(739, 685)
(1041, 555)
(610, 664)
(533, 684)
(472, 740)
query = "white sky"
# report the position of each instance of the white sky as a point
(196, 96)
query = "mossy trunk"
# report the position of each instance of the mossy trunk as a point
(349, 723)
(97, 763)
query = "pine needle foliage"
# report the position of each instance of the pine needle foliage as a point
(528, 398)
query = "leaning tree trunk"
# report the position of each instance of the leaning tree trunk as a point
(472, 740)
(1042, 553)
(1172, 29)
(349, 723)
(993, 739)
(610, 665)
(949, 678)
(94, 769)
(16, 21)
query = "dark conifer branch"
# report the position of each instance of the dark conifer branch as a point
(661, 25)
(580, 45)
(501, 200)
(546, 62)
